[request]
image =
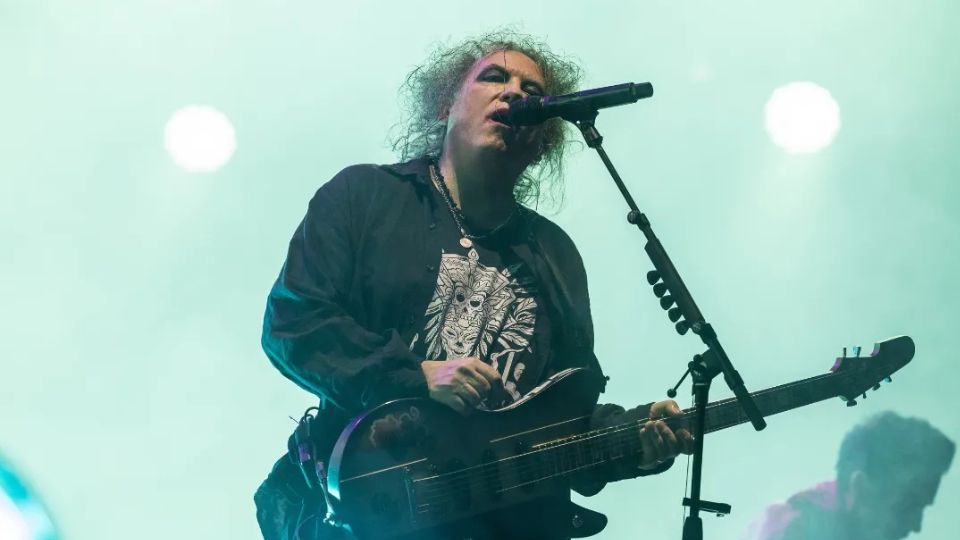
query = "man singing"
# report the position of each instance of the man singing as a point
(433, 277)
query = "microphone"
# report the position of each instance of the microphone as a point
(576, 106)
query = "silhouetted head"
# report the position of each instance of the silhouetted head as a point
(888, 472)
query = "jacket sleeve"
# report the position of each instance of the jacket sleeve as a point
(591, 481)
(307, 332)
(578, 349)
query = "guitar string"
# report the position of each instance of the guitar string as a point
(622, 427)
(474, 483)
(469, 477)
(562, 464)
(620, 442)
(460, 478)
(442, 484)
(445, 492)
(519, 457)
(620, 439)
(623, 437)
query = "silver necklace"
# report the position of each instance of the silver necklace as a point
(466, 239)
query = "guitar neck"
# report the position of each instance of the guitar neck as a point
(728, 413)
(617, 442)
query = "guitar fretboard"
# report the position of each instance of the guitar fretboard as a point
(596, 447)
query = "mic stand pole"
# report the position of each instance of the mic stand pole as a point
(703, 369)
(669, 287)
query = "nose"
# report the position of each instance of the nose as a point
(916, 522)
(511, 90)
(509, 96)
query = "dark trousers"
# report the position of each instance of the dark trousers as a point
(288, 510)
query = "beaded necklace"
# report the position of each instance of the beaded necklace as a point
(466, 239)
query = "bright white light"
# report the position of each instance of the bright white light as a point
(802, 117)
(200, 138)
(12, 524)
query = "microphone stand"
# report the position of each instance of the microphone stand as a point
(669, 287)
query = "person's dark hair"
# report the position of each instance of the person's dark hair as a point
(888, 442)
(431, 88)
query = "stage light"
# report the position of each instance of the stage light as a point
(200, 138)
(22, 516)
(802, 117)
(13, 525)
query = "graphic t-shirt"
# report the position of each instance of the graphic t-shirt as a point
(485, 306)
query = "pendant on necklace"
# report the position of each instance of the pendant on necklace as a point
(465, 242)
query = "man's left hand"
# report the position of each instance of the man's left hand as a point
(660, 443)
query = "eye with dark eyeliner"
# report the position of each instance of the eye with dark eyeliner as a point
(493, 74)
(496, 74)
(533, 90)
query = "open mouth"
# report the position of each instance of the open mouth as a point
(501, 117)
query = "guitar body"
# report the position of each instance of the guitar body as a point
(414, 468)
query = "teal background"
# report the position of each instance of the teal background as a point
(135, 397)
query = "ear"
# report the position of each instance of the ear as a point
(857, 489)
(444, 114)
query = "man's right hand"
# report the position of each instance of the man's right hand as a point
(460, 383)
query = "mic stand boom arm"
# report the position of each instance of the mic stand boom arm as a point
(669, 287)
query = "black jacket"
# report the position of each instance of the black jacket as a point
(351, 298)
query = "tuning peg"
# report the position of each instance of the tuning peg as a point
(856, 351)
(682, 327)
(851, 402)
(864, 395)
(876, 386)
(889, 379)
(674, 314)
(666, 302)
(844, 355)
(660, 289)
(653, 276)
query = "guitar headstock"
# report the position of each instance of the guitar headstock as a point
(862, 373)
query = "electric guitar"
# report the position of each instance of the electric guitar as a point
(415, 469)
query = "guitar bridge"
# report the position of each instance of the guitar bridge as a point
(415, 508)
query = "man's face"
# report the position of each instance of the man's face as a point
(892, 508)
(488, 88)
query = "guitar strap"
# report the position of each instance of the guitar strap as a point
(311, 462)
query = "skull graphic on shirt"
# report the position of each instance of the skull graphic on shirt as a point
(477, 310)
